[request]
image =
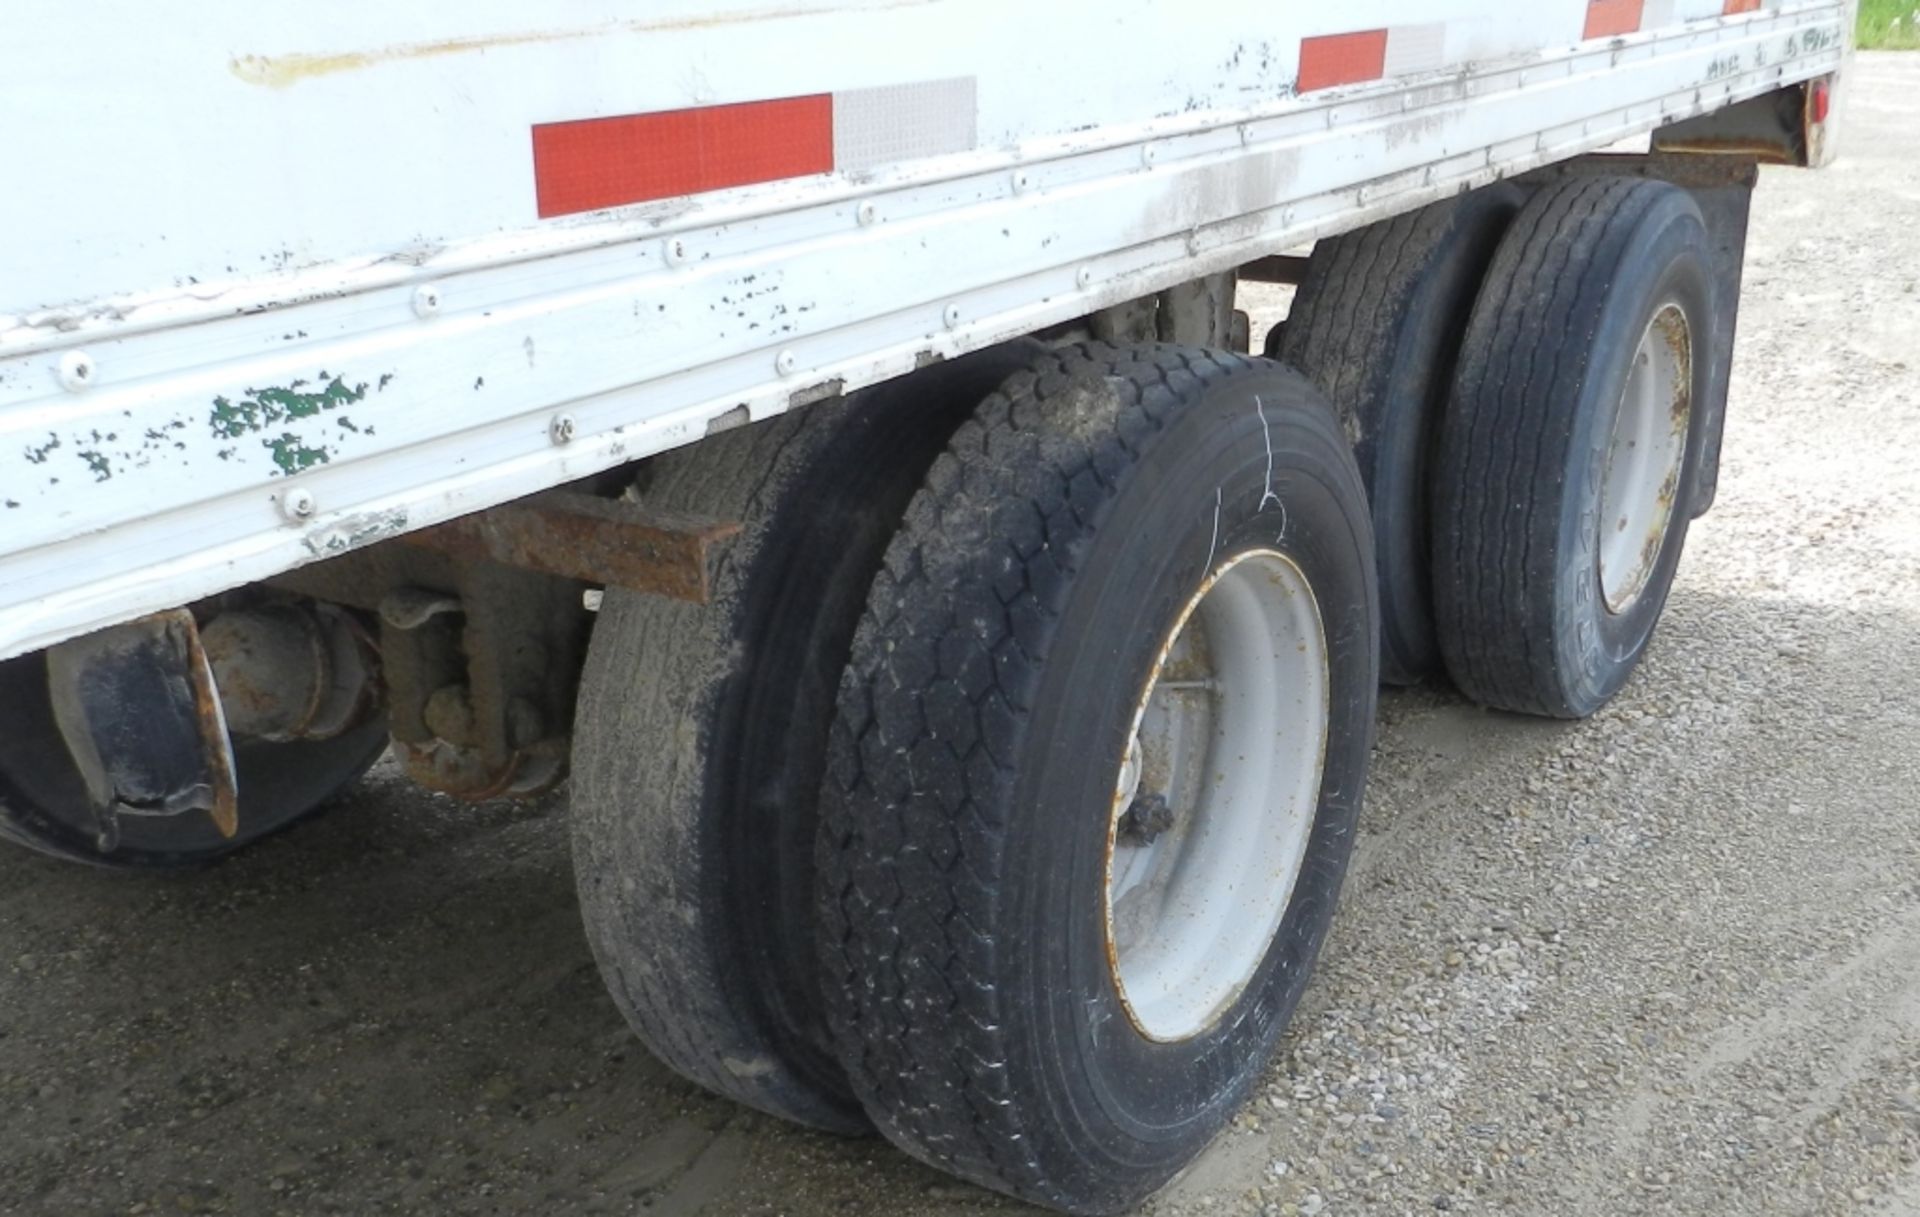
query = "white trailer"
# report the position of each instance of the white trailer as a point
(826, 429)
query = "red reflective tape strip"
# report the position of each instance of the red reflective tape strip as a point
(1605, 18)
(1739, 6)
(1342, 59)
(607, 162)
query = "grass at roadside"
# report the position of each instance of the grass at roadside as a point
(1889, 25)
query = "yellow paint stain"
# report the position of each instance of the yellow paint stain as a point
(283, 71)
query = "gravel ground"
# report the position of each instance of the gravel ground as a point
(1665, 961)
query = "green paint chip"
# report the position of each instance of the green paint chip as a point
(260, 409)
(293, 456)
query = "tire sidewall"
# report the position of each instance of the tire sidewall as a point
(1665, 259)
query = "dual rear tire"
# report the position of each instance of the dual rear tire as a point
(700, 737)
(1004, 797)
(1100, 718)
(1524, 377)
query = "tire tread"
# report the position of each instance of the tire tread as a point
(1011, 508)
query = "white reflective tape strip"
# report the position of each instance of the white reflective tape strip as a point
(1658, 14)
(904, 122)
(1416, 48)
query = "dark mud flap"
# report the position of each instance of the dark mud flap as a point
(136, 707)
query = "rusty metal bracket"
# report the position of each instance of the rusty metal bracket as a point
(594, 540)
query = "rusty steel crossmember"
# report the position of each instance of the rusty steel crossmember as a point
(594, 540)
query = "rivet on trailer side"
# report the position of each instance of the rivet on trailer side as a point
(698, 404)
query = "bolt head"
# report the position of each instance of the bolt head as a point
(426, 300)
(866, 213)
(298, 504)
(1144, 820)
(784, 363)
(951, 316)
(676, 250)
(1022, 182)
(562, 429)
(1084, 276)
(76, 371)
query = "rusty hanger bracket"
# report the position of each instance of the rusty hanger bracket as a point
(594, 540)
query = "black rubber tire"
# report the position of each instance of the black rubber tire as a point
(1377, 324)
(980, 724)
(43, 800)
(701, 733)
(1517, 481)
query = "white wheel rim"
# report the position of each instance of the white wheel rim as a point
(1644, 457)
(1230, 732)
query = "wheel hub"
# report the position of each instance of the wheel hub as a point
(1216, 795)
(1644, 458)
